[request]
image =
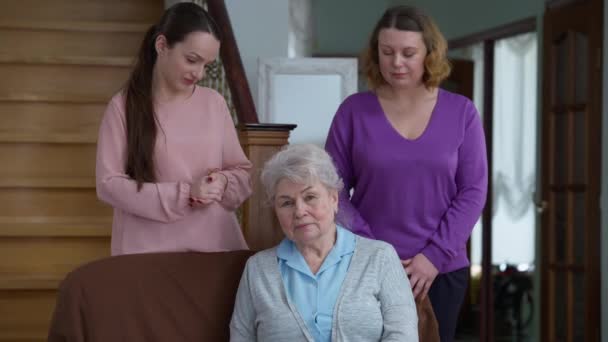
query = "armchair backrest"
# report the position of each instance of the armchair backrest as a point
(149, 297)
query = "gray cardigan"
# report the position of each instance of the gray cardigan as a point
(375, 302)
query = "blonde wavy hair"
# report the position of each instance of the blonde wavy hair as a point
(406, 18)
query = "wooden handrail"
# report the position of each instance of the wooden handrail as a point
(231, 57)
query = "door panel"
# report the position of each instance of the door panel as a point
(571, 172)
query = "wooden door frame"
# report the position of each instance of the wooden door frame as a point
(488, 38)
(461, 81)
(564, 11)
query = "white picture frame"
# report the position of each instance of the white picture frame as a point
(305, 92)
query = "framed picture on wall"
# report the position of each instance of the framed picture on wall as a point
(304, 91)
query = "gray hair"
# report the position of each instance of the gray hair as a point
(304, 164)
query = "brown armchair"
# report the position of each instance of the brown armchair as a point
(160, 297)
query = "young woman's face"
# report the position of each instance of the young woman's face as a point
(401, 56)
(183, 65)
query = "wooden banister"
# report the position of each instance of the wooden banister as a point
(235, 72)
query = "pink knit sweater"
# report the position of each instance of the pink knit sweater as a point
(194, 137)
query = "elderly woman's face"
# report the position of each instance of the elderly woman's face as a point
(306, 212)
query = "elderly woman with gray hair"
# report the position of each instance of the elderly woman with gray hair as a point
(322, 282)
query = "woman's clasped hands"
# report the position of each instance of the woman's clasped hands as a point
(208, 189)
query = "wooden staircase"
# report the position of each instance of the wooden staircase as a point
(60, 62)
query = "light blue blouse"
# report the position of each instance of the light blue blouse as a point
(315, 295)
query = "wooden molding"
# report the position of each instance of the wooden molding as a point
(260, 142)
(500, 32)
(554, 4)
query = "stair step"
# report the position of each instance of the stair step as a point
(108, 41)
(55, 226)
(54, 98)
(25, 314)
(45, 183)
(38, 282)
(48, 80)
(78, 10)
(40, 165)
(68, 60)
(72, 26)
(75, 26)
(42, 259)
(50, 122)
(49, 138)
(7, 336)
(52, 202)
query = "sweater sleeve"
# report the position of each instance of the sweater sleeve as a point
(339, 146)
(164, 202)
(471, 180)
(242, 324)
(235, 165)
(399, 317)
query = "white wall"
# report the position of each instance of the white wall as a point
(261, 28)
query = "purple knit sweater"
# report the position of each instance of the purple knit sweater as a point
(422, 195)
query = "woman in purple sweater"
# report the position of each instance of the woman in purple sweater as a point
(414, 156)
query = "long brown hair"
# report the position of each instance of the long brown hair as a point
(176, 23)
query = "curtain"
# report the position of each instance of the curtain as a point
(514, 150)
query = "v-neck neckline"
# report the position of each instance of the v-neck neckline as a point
(427, 128)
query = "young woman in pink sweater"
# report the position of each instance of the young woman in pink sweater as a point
(168, 157)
